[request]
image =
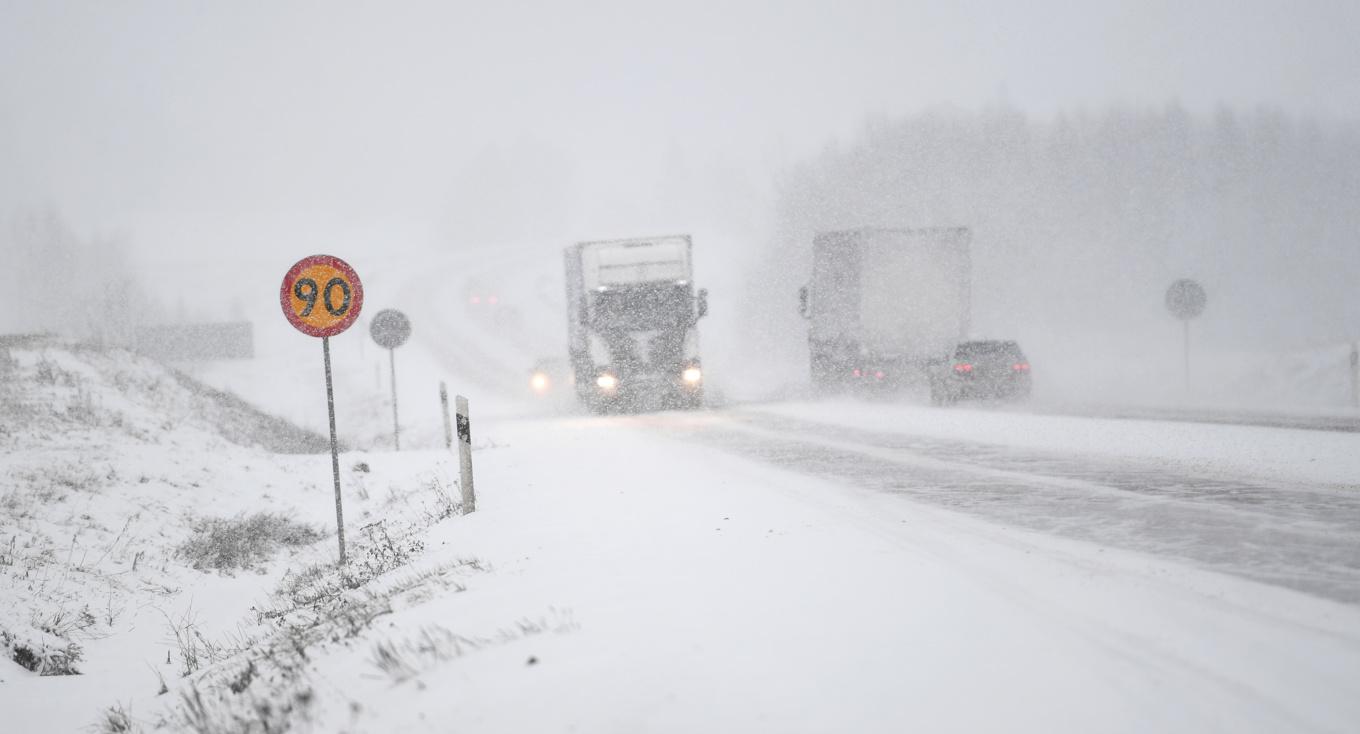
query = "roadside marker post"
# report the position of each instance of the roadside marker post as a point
(391, 329)
(444, 408)
(322, 296)
(465, 456)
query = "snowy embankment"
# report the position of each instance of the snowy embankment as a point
(143, 514)
(616, 580)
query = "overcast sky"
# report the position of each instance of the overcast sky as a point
(193, 127)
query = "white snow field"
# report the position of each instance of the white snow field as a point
(806, 567)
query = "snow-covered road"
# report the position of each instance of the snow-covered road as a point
(1302, 533)
(746, 571)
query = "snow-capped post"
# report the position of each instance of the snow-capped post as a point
(1185, 299)
(444, 408)
(309, 296)
(391, 329)
(465, 456)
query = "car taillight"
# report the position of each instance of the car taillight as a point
(878, 375)
(1020, 366)
(857, 373)
(963, 367)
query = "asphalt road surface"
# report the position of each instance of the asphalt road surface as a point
(1303, 537)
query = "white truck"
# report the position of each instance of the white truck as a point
(885, 306)
(632, 315)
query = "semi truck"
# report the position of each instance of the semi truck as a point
(885, 307)
(632, 317)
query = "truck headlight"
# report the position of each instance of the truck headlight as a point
(539, 382)
(606, 381)
(692, 375)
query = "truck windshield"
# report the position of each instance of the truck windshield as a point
(643, 307)
(998, 352)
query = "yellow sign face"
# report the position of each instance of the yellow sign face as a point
(321, 295)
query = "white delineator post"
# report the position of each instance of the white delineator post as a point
(465, 456)
(448, 425)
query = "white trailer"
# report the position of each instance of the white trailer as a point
(884, 305)
(632, 315)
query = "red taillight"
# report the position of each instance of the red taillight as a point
(1020, 366)
(857, 373)
(963, 367)
(492, 300)
(878, 375)
(474, 300)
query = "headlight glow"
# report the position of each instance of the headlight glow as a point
(692, 375)
(539, 382)
(606, 381)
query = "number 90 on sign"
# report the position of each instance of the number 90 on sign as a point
(321, 295)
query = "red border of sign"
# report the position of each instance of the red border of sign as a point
(356, 298)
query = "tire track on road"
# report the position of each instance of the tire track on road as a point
(1301, 538)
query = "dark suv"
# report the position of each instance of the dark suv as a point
(995, 370)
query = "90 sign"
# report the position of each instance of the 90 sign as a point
(321, 295)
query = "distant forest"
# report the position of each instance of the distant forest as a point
(1081, 222)
(57, 281)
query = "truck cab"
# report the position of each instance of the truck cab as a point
(632, 319)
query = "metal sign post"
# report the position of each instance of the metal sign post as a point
(335, 448)
(391, 329)
(1355, 375)
(1185, 299)
(396, 422)
(322, 296)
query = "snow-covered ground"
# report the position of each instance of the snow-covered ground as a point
(111, 465)
(654, 573)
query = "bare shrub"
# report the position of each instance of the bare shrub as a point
(195, 649)
(7, 552)
(445, 506)
(243, 542)
(62, 622)
(40, 653)
(378, 552)
(402, 660)
(265, 686)
(246, 714)
(116, 720)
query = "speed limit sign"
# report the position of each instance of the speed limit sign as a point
(321, 295)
